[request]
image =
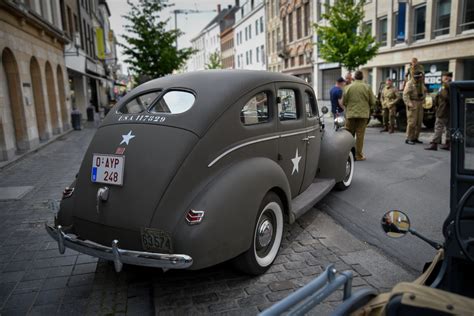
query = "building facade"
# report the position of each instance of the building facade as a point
(296, 48)
(440, 33)
(227, 37)
(34, 102)
(274, 35)
(250, 35)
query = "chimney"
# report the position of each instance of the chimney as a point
(218, 8)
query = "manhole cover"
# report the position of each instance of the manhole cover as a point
(14, 193)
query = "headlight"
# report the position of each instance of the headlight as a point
(340, 121)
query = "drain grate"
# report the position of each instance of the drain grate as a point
(14, 193)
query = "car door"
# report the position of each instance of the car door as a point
(459, 226)
(313, 138)
(291, 129)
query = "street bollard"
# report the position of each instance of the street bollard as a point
(76, 118)
(90, 114)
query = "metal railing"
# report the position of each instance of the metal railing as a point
(313, 293)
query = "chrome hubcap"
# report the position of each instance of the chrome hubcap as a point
(348, 169)
(265, 233)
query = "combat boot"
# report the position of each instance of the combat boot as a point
(385, 129)
(391, 130)
(446, 146)
(432, 146)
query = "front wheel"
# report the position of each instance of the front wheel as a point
(346, 182)
(266, 239)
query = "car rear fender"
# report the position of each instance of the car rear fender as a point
(335, 147)
(231, 202)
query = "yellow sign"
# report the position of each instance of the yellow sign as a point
(99, 35)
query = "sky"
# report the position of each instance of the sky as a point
(190, 24)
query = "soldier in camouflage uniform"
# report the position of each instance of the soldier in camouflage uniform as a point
(441, 101)
(414, 101)
(389, 100)
(358, 100)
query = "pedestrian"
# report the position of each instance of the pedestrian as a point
(390, 97)
(358, 100)
(348, 78)
(414, 97)
(335, 95)
(441, 101)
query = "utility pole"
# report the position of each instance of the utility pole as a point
(185, 11)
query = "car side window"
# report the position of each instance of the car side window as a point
(287, 108)
(255, 111)
(310, 104)
(174, 102)
(140, 103)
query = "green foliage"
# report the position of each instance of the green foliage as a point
(214, 61)
(149, 47)
(339, 41)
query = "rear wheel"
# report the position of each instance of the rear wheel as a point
(266, 239)
(346, 182)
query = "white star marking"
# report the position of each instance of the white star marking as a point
(127, 138)
(296, 162)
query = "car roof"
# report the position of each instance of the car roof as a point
(215, 90)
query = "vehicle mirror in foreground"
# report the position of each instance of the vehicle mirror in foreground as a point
(324, 109)
(395, 224)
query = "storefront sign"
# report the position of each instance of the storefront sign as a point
(99, 32)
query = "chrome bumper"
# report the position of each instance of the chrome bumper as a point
(117, 255)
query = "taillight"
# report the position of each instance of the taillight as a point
(194, 217)
(67, 193)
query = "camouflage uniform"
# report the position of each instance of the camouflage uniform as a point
(441, 101)
(389, 100)
(414, 102)
(358, 100)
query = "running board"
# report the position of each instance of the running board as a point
(312, 195)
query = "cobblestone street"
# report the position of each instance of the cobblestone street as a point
(36, 279)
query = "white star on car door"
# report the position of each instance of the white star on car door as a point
(296, 162)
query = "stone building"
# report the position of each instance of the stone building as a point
(440, 33)
(34, 102)
(297, 40)
(274, 35)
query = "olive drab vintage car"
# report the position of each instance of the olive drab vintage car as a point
(191, 170)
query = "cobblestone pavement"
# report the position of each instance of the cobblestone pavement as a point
(34, 277)
(309, 246)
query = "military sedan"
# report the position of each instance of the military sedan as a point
(195, 169)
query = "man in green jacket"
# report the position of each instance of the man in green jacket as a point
(358, 100)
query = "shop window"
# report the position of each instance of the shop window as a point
(467, 11)
(443, 14)
(419, 23)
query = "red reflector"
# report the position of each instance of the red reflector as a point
(194, 217)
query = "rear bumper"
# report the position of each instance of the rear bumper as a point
(117, 255)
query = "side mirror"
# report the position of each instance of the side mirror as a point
(395, 224)
(324, 109)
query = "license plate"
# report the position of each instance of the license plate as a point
(108, 169)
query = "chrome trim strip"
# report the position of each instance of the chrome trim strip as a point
(264, 139)
(120, 256)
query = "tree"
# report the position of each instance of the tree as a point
(214, 61)
(149, 46)
(339, 42)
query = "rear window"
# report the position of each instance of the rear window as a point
(174, 102)
(139, 103)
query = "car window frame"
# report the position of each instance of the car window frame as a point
(300, 119)
(315, 103)
(132, 98)
(164, 92)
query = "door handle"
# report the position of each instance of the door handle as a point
(308, 138)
